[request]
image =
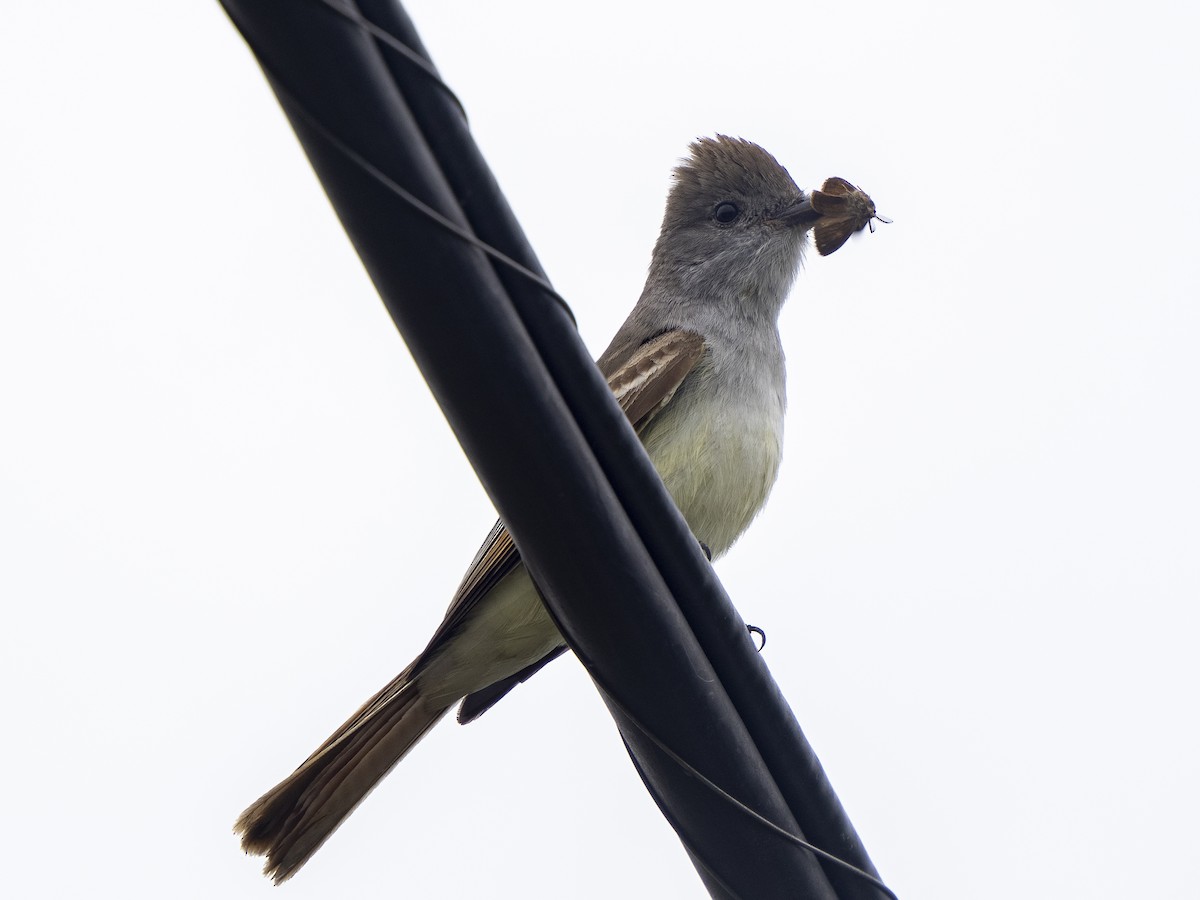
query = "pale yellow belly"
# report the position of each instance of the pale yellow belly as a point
(719, 469)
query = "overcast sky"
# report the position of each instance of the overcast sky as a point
(230, 510)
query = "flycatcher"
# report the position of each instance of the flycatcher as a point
(698, 368)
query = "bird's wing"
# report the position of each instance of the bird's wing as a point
(643, 383)
(646, 380)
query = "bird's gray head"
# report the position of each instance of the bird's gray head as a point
(734, 229)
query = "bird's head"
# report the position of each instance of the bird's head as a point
(735, 223)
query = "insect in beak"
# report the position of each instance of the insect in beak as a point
(845, 209)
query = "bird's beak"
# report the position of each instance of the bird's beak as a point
(800, 214)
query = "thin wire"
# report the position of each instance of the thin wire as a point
(420, 206)
(404, 194)
(399, 46)
(738, 804)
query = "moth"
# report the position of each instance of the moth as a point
(844, 210)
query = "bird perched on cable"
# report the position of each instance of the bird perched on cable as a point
(698, 368)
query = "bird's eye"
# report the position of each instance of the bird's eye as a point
(725, 212)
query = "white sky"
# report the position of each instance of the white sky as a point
(229, 509)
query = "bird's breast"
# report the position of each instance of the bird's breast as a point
(717, 446)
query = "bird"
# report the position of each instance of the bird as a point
(698, 367)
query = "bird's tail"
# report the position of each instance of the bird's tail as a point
(289, 822)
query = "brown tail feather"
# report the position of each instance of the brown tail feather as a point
(293, 819)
